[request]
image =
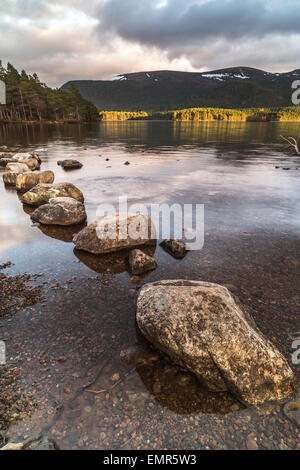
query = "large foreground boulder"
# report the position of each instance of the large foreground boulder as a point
(12, 170)
(60, 211)
(31, 160)
(42, 193)
(27, 181)
(201, 328)
(116, 232)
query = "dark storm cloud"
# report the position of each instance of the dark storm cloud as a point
(179, 22)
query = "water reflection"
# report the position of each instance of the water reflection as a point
(64, 234)
(181, 393)
(115, 263)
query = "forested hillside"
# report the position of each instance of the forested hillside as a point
(238, 87)
(27, 99)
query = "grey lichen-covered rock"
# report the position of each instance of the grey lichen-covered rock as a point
(201, 328)
(31, 160)
(60, 211)
(140, 263)
(27, 181)
(12, 170)
(175, 247)
(116, 232)
(42, 193)
(70, 164)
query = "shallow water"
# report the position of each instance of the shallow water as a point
(68, 346)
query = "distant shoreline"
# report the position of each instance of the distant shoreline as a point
(148, 120)
(204, 120)
(47, 122)
(284, 114)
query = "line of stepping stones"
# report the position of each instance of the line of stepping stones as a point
(63, 204)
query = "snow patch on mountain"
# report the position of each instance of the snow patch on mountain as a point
(119, 77)
(222, 76)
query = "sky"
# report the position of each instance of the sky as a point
(98, 39)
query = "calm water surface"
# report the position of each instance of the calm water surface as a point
(93, 398)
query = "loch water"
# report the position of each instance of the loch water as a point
(76, 348)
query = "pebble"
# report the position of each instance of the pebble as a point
(251, 442)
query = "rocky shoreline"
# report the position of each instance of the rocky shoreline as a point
(131, 400)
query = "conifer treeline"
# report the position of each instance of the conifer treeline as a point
(28, 99)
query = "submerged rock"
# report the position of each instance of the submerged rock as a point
(12, 170)
(201, 328)
(115, 232)
(70, 164)
(41, 444)
(60, 211)
(139, 355)
(42, 193)
(292, 409)
(140, 262)
(175, 247)
(27, 181)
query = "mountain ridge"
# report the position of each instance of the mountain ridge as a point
(160, 90)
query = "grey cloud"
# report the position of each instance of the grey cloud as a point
(179, 22)
(93, 39)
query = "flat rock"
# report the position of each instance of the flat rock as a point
(31, 160)
(12, 170)
(202, 329)
(42, 193)
(27, 181)
(175, 247)
(140, 263)
(13, 446)
(116, 232)
(60, 211)
(70, 164)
